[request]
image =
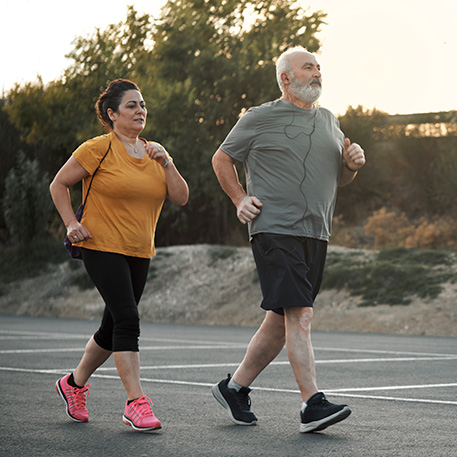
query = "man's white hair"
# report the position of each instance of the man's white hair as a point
(283, 64)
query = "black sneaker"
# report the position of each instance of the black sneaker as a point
(320, 413)
(238, 404)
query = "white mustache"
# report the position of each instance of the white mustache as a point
(315, 81)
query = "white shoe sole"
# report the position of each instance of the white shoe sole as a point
(220, 398)
(326, 422)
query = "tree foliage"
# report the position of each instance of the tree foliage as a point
(212, 61)
(366, 128)
(26, 204)
(200, 64)
(413, 174)
(10, 144)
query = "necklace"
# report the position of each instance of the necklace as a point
(134, 149)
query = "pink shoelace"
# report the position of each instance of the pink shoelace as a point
(77, 397)
(140, 408)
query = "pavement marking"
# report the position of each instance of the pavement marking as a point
(81, 349)
(381, 351)
(323, 362)
(410, 400)
(414, 386)
(38, 351)
(28, 335)
(331, 392)
(14, 334)
(231, 346)
(362, 392)
(385, 359)
(35, 370)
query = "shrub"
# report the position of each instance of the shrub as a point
(221, 253)
(391, 277)
(26, 205)
(23, 261)
(437, 233)
(388, 228)
(394, 229)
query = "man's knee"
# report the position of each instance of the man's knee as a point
(299, 316)
(274, 325)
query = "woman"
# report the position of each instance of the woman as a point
(116, 235)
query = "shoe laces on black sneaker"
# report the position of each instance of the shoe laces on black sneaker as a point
(318, 407)
(242, 398)
(317, 399)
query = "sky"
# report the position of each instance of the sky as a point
(398, 56)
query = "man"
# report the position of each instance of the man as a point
(295, 157)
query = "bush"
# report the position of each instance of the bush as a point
(221, 253)
(388, 228)
(26, 260)
(79, 276)
(391, 277)
(27, 204)
(394, 229)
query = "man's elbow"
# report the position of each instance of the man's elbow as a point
(216, 159)
(213, 161)
(222, 160)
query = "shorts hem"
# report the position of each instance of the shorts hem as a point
(280, 309)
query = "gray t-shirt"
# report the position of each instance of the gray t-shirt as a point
(292, 158)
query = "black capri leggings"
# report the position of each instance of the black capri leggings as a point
(120, 280)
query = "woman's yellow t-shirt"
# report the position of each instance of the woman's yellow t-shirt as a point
(125, 199)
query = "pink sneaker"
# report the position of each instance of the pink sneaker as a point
(138, 414)
(74, 398)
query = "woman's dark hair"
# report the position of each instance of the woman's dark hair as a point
(112, 98)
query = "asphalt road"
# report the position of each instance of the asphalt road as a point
(402, 391)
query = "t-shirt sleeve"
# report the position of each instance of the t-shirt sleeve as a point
(340, 136)
(238, 142)
(90, 153)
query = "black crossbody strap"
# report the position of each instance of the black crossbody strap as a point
(90, 184)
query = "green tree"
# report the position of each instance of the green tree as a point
(10, 144)
(405, 170)
(371, 189)
(61, 115)
(422, 175)
(199, 65)
(444, 185)
(119, 51)
(212, 60)
(26, 203)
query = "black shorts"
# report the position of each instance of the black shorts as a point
(290, 269)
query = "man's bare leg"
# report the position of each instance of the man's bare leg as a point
(265, 345)
(263, 348)
(300, 349)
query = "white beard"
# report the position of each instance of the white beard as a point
(306, 93)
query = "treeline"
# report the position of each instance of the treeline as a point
(406, 195)
(199, 65)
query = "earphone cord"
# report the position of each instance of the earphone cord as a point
(309, 135)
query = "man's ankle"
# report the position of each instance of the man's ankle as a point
(233, 385)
